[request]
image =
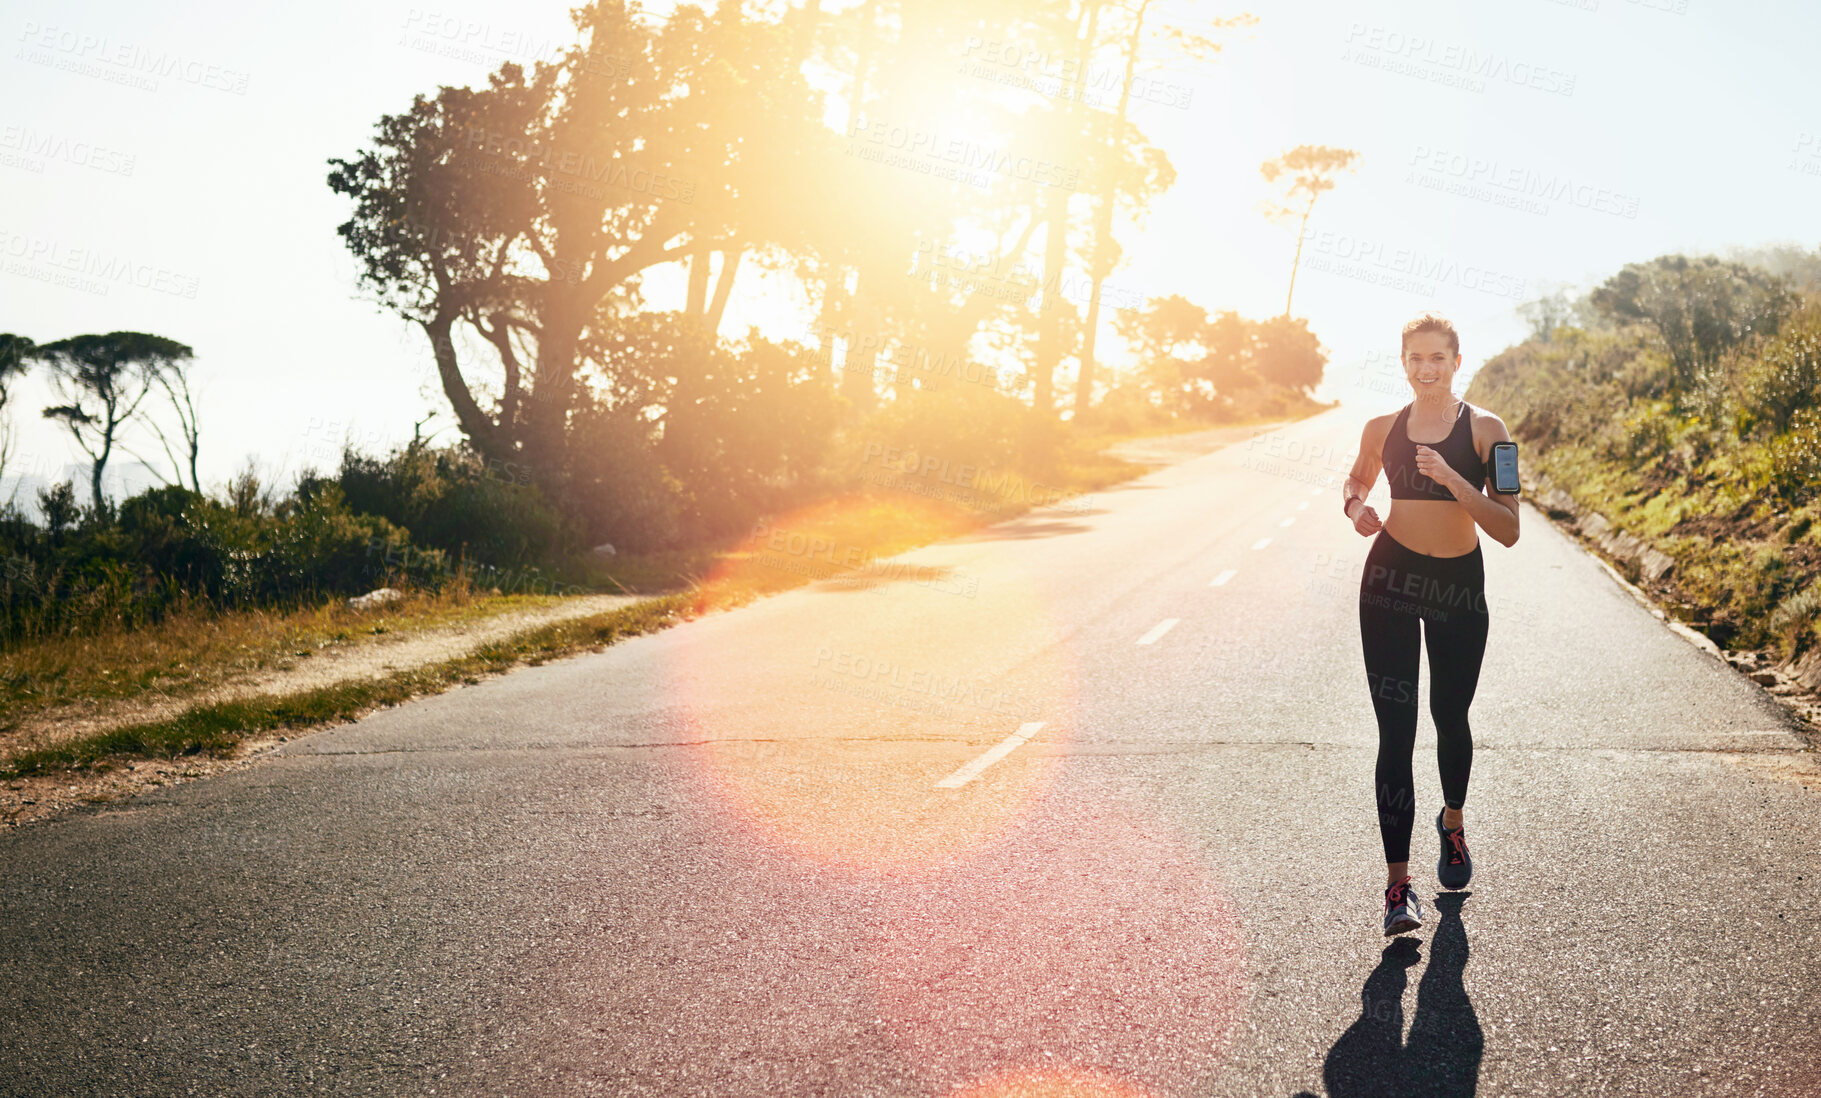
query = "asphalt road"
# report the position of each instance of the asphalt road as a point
(737, 857)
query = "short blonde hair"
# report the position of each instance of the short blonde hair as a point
(1430, 322)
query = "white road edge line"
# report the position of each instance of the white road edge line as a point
(1261, 543)
(1005, 747)
(1158, 630)
(1224, 577)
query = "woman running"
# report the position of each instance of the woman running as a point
(1425, 565)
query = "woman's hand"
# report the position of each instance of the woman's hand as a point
(1436, 468)
(1365, 520)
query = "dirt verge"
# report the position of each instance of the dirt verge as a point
(40, 796)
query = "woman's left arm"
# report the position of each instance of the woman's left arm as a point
(1497, 514)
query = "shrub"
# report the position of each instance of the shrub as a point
(170, 548)
(1795, 457)
(620, 490)
(745, 428)
(1794, 618)
(962, 424)
(1644, 435)
(450, 499)
(1786, 378)
(1127, 408)
(318, 545)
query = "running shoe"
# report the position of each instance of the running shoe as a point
(1455, 867)
(1403, 911)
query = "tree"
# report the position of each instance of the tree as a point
(1164, 327)
(1311, 170)
(1066, 127)
(1700, 307)
(1288, 354)
(16, 353)
(1232, 349)
(1138, 172)
(1797, 264)
(440, 239)
(57, 505)
(103, 380)
(174, 382)
(873, 218)
(1547, 313)
(967, 241)
(521, 217)
(1168, 336)
(1199, 362)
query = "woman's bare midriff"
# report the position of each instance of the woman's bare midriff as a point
(1433, 527)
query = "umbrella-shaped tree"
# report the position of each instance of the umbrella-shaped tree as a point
(103, 380)
(1310, 170)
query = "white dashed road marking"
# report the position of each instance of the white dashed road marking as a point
(1224, 577)
(1261, 543)
(1158, 630)
(1005, 747)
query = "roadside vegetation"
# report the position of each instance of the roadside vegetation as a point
(1681, 399)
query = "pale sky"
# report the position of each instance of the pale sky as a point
(1505, 148)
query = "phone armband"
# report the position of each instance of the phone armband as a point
(1504, 468)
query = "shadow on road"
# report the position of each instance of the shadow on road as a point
(877, 574)
(1025, 529)
(1442, 1057)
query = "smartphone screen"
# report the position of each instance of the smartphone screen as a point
(1504, 468)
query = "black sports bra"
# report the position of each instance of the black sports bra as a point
(1399, 457)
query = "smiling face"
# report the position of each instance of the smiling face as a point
(1429, 362)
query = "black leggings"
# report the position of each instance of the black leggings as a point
(1398, 588)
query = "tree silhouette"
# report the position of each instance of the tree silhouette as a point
(1547, 312)
(174, 382)
(1310, 171)
(1132, 173)
(528, 212)
(103, 380)
(15, 359)
(1066, 127)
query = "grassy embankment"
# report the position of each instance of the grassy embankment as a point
(1727, 486)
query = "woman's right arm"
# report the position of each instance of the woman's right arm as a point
(1366, 467)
